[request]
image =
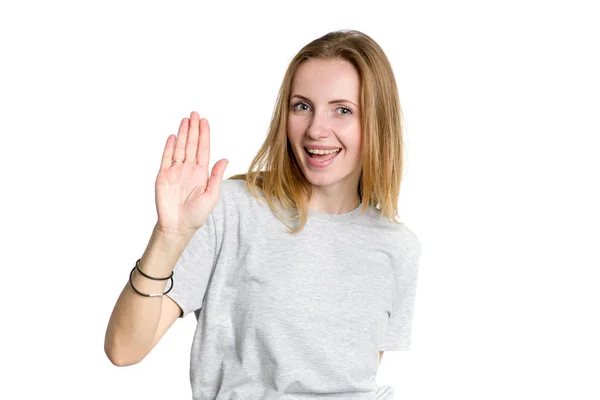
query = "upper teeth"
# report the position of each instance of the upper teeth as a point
(317, 151)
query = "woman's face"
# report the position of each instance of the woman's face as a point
(325, 114)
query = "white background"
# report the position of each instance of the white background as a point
(501, 105)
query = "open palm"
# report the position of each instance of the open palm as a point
(185, 195)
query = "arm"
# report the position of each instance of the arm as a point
(137, 323)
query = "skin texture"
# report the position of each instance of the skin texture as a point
(325, 110)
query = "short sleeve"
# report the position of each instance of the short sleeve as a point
(193, 269)
(399, 326)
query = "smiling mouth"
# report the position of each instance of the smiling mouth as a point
(311, 154)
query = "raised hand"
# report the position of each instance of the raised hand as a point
(185, 195)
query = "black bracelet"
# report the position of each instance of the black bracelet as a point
(137, 265)
(148, 294)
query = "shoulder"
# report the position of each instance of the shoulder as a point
(402, 240)
(233, 191)
(409, 241)
(397, 233)
(403, 246)
(235, 198)
(233, 187)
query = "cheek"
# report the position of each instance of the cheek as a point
(357, 136)
(352, 138)
(295, 128)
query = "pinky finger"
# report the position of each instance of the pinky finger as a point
(168, 153)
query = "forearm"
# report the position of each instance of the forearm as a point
(134, 320)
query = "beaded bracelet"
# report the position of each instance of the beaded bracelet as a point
(148, 294)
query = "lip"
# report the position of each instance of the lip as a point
(319, 147)
(318, 164)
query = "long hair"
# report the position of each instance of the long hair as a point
(275, 172)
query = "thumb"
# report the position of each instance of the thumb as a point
(216, 175)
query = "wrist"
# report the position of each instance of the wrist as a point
(162, 251)
(172, 234)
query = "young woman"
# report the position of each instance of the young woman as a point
(298, 272)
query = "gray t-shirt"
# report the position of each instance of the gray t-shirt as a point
(294, 316)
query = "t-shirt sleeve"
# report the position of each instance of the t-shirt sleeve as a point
(194, 268)
(399, 326)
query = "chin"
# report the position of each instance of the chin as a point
(321, 182)
(324, 179)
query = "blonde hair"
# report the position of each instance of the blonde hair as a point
(275, 170)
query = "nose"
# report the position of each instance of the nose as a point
(319, 127)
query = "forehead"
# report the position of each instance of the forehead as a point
(327, 79)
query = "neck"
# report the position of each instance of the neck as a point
(333, 203)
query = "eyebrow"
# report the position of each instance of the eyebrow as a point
(331, 102)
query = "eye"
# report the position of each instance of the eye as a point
(345, 110)
(300, 106)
